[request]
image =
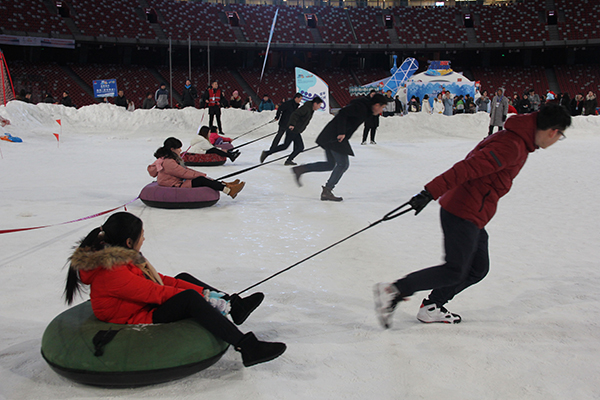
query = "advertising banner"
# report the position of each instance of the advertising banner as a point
(310, 85)
(105, 88)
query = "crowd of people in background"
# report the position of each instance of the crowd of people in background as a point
(444, 103)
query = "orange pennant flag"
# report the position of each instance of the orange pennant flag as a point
(56, 136)
(58, 120)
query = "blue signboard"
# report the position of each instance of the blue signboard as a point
(105, 88)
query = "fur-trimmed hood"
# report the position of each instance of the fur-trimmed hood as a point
(85, 259)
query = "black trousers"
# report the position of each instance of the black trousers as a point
(215, 111)
(373, 129)
(290, 137)
(278, 136)
(491, 129)
(467, 262)
(211, 183)
(191, 304)
(217, 151)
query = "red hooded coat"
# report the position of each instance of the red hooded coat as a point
(472, 187)
(119, 290)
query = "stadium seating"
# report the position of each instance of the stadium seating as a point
(200, 21)
(31, 16)
(434, 25)
(135, 81)
(110, 18)
(575, 79)
(368, 25)
(514, 22)
(581, 19)
(278, 84)
(258, 21)
(333, 24)
(50, 78)
(512, 79)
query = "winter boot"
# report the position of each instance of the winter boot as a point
(241, 308)
(263, 156)
(386, 297)
(298, 171)
(289, 162)
(233, 155)
(430, 312)
(235, 187)
(326, 194)
(255, 352)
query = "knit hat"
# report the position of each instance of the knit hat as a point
(235, 93)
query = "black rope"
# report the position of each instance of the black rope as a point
(259, 165)
(252, 130)
(391, 215)
(255, 140)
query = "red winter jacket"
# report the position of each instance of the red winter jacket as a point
(120, 292)
(472, 187)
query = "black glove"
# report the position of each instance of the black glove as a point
(503, 118)
(420, 200)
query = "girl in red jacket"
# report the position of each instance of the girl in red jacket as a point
(126, 289)
(170, 171)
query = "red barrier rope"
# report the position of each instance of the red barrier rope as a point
(68, 222)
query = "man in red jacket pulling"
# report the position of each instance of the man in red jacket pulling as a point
(468, 194)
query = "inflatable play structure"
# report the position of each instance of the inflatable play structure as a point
(437, 79)
(7, 91)
(394, 82)
(9, 138)
(157, 196)
(84, 349)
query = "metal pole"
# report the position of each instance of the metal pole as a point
(170, 73)
(208, 45)
(190, 56)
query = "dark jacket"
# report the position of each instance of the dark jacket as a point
(147, 104)
(301, 117)
(576, 107)
(372, 121)
(235, 103)
(188, 96)
(284, 112)
(524, 106)
(472, 187)
(345, 123)
(121, 101)
(590, 105)
(66, 101)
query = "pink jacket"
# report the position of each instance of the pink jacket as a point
(170, 173)
(214, 136)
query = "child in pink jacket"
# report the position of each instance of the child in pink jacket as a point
(169, 171)
(217, 139)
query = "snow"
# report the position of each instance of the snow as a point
(529, 329)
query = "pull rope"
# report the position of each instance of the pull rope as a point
(252, 130)
(259, 165)
(255, 140)
(389, 216)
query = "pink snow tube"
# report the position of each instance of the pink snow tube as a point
(154, 195)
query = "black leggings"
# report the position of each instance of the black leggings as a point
(211, 183)
(191, 304)
(372, 129)
(218, 152)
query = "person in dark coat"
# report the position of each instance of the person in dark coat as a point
(524, 106)
(371, 124)
(335, 140)
(235, 101)
(66, 100)
(148, 102)
(468, 194)
(284, 112)
(590, 104)
(188, 95)
(121, 100)
(298, 122)
(577, 105)
(48, 99)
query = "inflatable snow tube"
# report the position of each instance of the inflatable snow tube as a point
(154, 195)
(206, 160)
(84, 349)
(203, 160)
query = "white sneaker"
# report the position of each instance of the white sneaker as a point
(432, 313)
(386, 297)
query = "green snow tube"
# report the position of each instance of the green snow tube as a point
(84, 349)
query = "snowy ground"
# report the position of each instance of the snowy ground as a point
(529, 329)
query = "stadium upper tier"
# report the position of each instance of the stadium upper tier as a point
(127, 21)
